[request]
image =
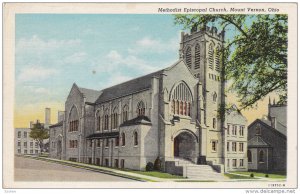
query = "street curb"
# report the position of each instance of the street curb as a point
(89, 168)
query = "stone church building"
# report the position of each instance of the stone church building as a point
(171, 114)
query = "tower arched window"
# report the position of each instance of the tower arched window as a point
(135, 138)
(188, 57)
(261, 156)
(73, 120)
(217, 58)
(197, 56)
(181, 98)
(125, 113)
(249, 155)
(114, 118)
(141, 108)
(211, 56)
(106, 120)
(123, 139)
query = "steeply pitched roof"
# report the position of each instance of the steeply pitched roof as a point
(126, 88)
(261, 121)
(257, 141)
(90, 95)
(56, 125)
(137, 121)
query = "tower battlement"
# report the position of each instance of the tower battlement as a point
(211, 31)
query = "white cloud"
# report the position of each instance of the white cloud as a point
(37, 90)
(36, 44)
(116, 61)
(148, 44)
(75, 58)
(34, 73)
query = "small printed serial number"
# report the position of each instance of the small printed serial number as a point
(276, 185)
(10, 191)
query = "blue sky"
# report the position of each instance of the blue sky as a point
(96, 51)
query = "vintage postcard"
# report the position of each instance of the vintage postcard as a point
(150, 95)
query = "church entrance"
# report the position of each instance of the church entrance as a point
(59, 149)
(185, 146)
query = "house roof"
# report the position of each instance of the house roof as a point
(140, 120)
(261, 121)
(126, 88)
(257, 141)
(56, 125)
(103, 135)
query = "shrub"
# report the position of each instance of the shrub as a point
(267, 175)
(157, 164)
(149, 166)
(251, 175)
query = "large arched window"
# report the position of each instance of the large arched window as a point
(211, 56)
(98, 121)
(123, 139)
(217, 58)
(140, 108)
(114, 118)
(125, 113)
(188, 57)
(106, 120)
(261, 156)
(73, 120)
(249, 155)
(181, 99)
(197, 56)
(135, 138)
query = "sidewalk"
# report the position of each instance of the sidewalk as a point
(139, 177)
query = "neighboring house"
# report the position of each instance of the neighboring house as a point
(267, 142)
(24, 144)
(171, 114)
(236, 141)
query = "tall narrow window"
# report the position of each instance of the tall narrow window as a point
(135, 138)
(117, 141)
(106, 120)
(141, 108)
(114, 118)
(125, 113)
(215, 97)
(217, 58)
(211, 56)
(123, 139)
(98, 124)
(261, 156)
(197, 56)
(188, 57)
(214, 123)
(249, 155)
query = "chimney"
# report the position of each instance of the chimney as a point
(47, 116)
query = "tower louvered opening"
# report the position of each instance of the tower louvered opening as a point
(197, 56)
(188, 57)
(217, 59)
(211, 56)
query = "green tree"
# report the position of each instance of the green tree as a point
(39, 133)
(255, 53)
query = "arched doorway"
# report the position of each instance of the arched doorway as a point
(185, 146)
(59, 149)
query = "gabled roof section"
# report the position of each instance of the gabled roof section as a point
(257, 141)
(56, 125)
(267, 126)
(127, 88)
(140, 120)
(181, 61)
(90, 95)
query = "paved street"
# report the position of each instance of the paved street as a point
(27, 169)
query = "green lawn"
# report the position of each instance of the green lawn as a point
(273, 175)
(234, 176)
(157, 174)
